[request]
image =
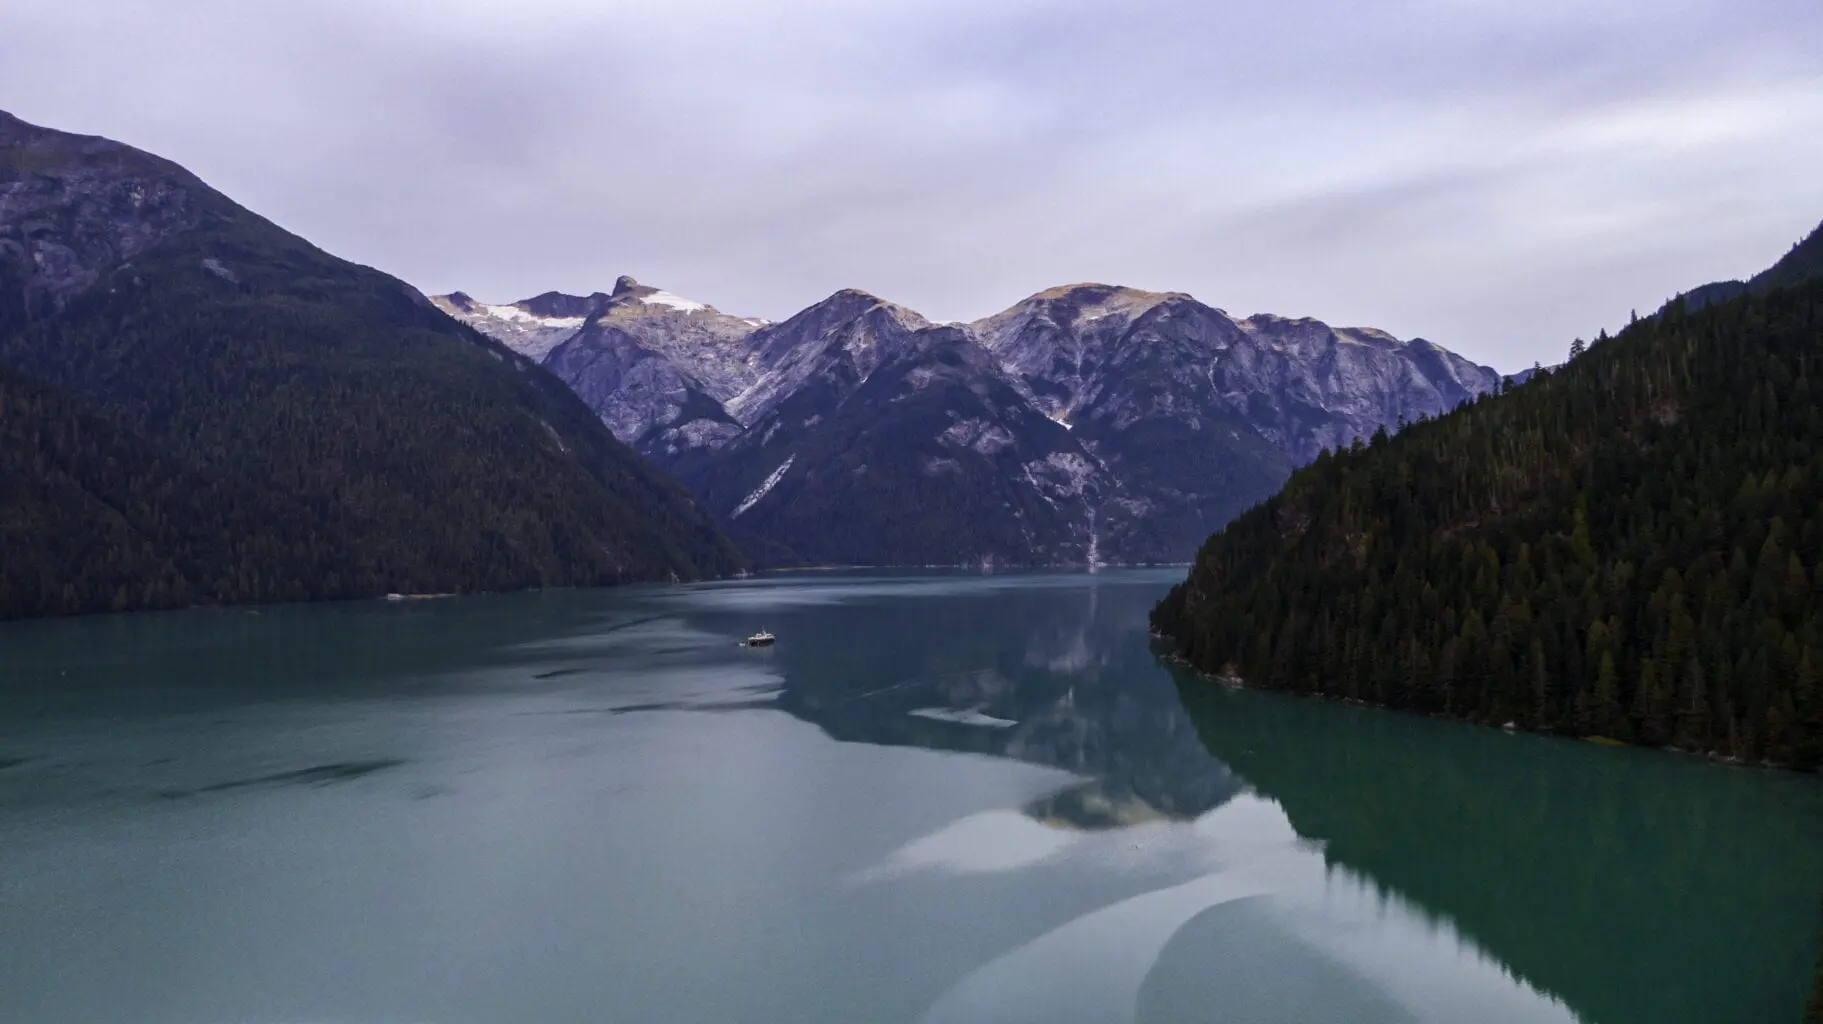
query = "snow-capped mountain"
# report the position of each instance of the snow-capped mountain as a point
(1199, 415)
(873, 437)
(532, 327)
(644, 359)
(1085, 423)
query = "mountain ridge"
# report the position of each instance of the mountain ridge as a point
(1176, 415)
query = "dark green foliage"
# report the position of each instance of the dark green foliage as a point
(290, 426)
(1813, 1009)
(1629, 547)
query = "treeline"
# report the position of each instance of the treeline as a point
(1628, 547)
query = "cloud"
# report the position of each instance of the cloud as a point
(1496, 177)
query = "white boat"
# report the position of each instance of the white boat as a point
(760, 639)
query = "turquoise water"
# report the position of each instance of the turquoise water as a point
(939, 798)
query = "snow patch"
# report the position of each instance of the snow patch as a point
(514, 314)
(760, 492)
(970, 717)
(676, 302)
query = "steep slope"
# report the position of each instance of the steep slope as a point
(1630, 546)
(531, 327)
(355, 440)
(657, 369)
(94, 519)
(875, 438)
(1177, 416)
(1199, 416)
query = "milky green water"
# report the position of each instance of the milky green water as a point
(938, 798)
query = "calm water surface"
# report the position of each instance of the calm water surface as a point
(939, 798)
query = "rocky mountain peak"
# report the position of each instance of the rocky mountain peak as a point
(558, 304)
(1089, 293)
(853, 304)
(630, 296)
(74, 207)
(1056, 314)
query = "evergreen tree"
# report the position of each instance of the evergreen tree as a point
(1628, 547)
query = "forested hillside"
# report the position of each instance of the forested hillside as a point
(198, 407)
(1629, 547)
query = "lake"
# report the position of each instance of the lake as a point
(941, 797)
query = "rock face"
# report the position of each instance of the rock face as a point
(898, 444)
(1198, 415)
(73, 207)
(531, 328)
(1086, 424)
(199, 407)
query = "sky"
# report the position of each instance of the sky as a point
(1496, 176)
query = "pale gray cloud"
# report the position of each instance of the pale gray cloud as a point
(1497, 177)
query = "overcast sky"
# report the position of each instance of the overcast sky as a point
(1495, 175)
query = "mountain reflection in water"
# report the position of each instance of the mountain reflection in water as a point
(1055, 689)
(1632, 885)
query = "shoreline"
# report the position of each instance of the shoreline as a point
(1235, 682)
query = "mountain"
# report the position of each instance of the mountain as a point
(532, 327)
(200, 407)
(1627, 547)
(652, 363)
(875, 438)
(1195, 415)
(1086, 423)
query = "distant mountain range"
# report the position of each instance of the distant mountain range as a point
(1086, 424)
(198, 407)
